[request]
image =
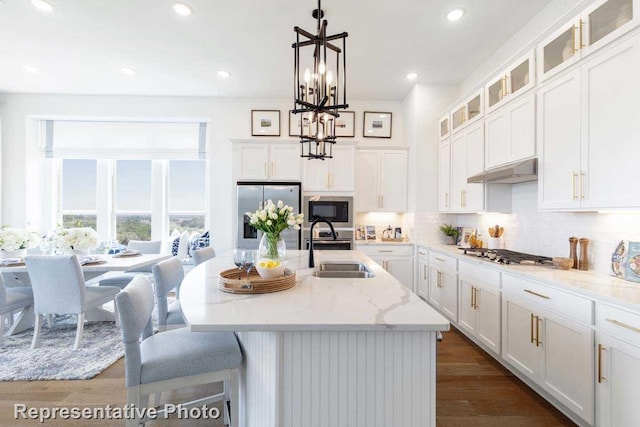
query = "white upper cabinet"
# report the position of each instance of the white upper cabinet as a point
(335, 175)
(588, 124)
(381, 183)
(468, 112)
(444, 176)
(273, 162)
(516, 79)
(444, 127)
(598, 25)
(467, 159)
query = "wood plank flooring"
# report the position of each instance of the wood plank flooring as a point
(473, 390)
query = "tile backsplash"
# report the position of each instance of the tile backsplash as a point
(383, 219)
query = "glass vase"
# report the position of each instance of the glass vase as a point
(272, 246)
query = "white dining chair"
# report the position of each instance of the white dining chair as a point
(174, 359)
(201, 255)
(145, 247)
(12, 300)
(59, 288)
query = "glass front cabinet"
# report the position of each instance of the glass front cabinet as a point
(444, 129)
(467, 112)
(515, 79)
(598, 25)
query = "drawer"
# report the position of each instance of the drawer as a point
(423, 252)
(475, 273)
(441, 261)
(620, 323)
(574, 306)
(386, 250)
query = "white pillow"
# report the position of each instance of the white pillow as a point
(173, 236)
(183, 247)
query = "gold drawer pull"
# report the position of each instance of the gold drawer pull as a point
(422, 253)
(381, 250)
(533, 316)
(623, 325)
(600, 349)
(439, 259)
(539, 295)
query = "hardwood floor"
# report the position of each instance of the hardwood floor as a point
(473, 390)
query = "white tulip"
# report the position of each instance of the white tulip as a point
(280, 204)
(269, 222)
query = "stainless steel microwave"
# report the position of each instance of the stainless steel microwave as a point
(337, 209)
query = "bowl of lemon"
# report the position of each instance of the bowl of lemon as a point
(270, 268)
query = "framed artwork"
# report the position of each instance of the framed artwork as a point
(465, 235)
(371, 232)
(376, 124)
(265, 122)
(345, 124)
(360, 232)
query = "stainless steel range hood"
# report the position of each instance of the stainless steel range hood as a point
(510, 174)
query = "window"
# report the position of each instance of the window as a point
(186, 195)
(133, 200)
(78, 197)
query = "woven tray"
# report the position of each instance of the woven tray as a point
(392, 239)
(228, 282)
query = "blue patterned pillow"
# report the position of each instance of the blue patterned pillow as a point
(175, 245)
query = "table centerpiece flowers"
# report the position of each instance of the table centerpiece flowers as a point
(14, 242)
(272, 220)
(76, 240)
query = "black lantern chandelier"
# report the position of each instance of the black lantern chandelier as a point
(320, 89)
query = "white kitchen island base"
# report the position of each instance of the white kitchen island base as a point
(338, 378)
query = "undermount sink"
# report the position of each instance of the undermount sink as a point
(344, 269)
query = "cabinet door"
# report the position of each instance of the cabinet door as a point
(315, 175)
(285, 162)
(458, 118)
(423, 278)
(253, 161)
(474, 195)
(367, 196)
(497, 139)
(617, 384)
(559, 138)
(495, 92)
(401, 269)
(488, 307)
(520, 75)
(458, 172)
(606, 20)
(449, 284)
(522, 128)
(567, 371)
(559, 50)
(444, 177)
(393, 181)
(518, 330)
(474, 108)
(435, 288)
(611, 127)
(342, 169)
(444, 127)
(468, 315)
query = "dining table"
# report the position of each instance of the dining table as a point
(17, 275)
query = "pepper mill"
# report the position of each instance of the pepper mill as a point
(573, 251)
(583, 263)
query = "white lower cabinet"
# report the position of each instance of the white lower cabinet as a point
(553, 351)
(618, 368)
(443, 292)
(479, 311)
(396, 260)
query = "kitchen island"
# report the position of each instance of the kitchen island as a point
(327, 352)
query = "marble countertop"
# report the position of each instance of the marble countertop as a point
(378, 303)
(380, 242)
(594, 285)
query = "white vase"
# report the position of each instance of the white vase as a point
(19, 253)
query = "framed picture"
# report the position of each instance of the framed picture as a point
(376, 124)
(360, 232)
(265, 122)
(464, 236)
(371, 232)
(345, 124)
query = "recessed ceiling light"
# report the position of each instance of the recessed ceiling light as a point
(128, 71)
(412, 76)
(30, 69)
(42, 5)
(223, 74)
(455, 14)
(182, 9)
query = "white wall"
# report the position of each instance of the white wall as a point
(23, 197)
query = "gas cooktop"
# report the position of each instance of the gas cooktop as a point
(504, 256)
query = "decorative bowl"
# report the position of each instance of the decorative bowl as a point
(563, 263)
(270, 268)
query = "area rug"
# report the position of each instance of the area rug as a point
(55, 358)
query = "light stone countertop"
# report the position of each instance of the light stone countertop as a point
(380, 242)
(320, 304)
(591, 284)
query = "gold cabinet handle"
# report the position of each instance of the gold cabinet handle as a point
(473, 304)
(600, 350)
(532, 317)
(537, 294)
(538, 320)
(623, 325)
(574, 175)
(581, 185)
(385, 250)
(446, 200)
(581, 31)
(439, 259)
(382, 201)
(424, 272)
(439, 282)
(266, 173)
(573, 38)
(475, 298)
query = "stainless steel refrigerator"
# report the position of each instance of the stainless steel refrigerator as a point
(254, 195)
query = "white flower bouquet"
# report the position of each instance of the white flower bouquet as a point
(76, 239)
(15, 239)
(273, 220)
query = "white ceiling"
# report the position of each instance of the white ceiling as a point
(81, 45)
